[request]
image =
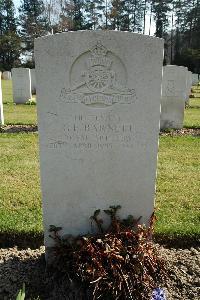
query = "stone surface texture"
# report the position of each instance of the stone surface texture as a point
(98, 125)
(195, 79)
(174, 87)
(6, 75)
(1, 105)
(21, 80)
(33, 81)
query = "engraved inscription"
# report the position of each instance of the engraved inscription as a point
(99, 84)
(95, 132)
(170, 89)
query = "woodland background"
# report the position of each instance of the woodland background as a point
(177, 21)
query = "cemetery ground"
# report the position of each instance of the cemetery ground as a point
(177, 201)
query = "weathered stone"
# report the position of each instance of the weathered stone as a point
(21, 80)
(195, 79)
(174, 91)
(98, 111)
(6, 75)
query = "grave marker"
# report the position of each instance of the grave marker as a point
(21, 81)
(174, 87)
(98, 109)
(195, 79)
(6, 75)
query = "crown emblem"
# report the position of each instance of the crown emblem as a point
(98, 56)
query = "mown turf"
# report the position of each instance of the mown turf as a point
(16, 114)
(20, 114)
(192, 118)
(7, 91)
(192, 114)
(20, 209)
(194, 103)
(177, 185)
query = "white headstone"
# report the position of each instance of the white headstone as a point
(6, 75)
(33, 81)
(195, 79)
(1, 105)
(174, 88)
(98, 110)
(21, 80)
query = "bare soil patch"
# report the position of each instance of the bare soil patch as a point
(181, 132)
(28, 266)
(18, 128)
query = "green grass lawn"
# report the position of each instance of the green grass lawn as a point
(192, 114)
(20, 114)
(20, 207)
(16, 114)
(194, 102)
(7, 91)
(177, 185)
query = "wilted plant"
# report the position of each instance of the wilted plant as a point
(119, 263)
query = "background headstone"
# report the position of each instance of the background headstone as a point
(1, 105)
(21, 80)
(174, 87)
(98, 108)
(6, 75)
(33, 81)
(195, 79)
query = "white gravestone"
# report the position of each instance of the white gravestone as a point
(6, 75)
(98, 110)
(21, 80)
(195, 79)
(174, 87)
(1, 105)
(33, 81)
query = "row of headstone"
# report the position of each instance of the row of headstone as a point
(24, 84)
(99, 115)
(176, 89)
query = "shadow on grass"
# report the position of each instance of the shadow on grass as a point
(18, 128)
(177, 240)
(36, 240)
(22, 240)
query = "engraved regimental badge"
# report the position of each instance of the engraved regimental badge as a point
(101, 83)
